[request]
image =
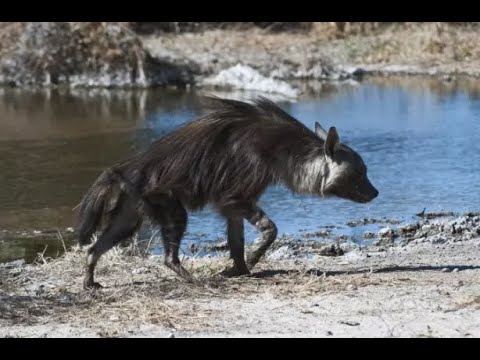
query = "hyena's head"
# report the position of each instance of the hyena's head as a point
(346, 174)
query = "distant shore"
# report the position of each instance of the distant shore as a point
(400, 49)
(113, 55)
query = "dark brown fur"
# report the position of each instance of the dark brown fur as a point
(226, 158)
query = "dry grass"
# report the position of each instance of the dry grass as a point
(142, 296)
(451, 48)
(429, 43)
(140, 289)
(472, 302)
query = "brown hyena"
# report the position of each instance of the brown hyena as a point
(226, 158)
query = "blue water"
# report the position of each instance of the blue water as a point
(419, 139)
(422, 151)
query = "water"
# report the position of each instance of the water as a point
(419, 139)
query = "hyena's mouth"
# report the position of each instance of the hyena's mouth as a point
(363, 198)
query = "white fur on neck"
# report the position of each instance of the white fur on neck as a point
(316, 175)
(311, 176)
(335, 170)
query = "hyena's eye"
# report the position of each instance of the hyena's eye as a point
(360, 172)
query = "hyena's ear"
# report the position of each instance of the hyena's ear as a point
(321, 133)
(331, 142)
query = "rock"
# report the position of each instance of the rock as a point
(350, 323)
(317, 234)
(426, 228)
(447, 78)
(281, 253)
(246, 78)
(437, 239)
(386, 232)
(354, 71)
(455, 270)
(384, 242)
(105, 54)
(171, 335)
(13, 264)
(408, 229)
(139, 271)
(219, 246)
(368, 235)
(331, 250)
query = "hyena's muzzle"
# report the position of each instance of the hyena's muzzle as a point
(364, 192)
(361, 192)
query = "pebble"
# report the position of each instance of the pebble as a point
(386, 232)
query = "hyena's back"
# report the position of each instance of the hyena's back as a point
(228, 156)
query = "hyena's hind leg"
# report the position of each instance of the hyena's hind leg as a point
(171, 215)
(123, 223)
(267, 227)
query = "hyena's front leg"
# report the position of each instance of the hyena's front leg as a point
(236, 243)
(267, 227)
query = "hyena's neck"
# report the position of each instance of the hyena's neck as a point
(310, 175)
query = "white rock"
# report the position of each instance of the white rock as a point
(426, 227)
(141, 270)
(386, 232)
(282, 253)
(246, 78)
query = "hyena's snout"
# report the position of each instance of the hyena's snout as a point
(365, 192)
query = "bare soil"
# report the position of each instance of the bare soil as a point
(414, 289)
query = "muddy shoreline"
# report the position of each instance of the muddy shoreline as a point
(53, 242)
(417, 280)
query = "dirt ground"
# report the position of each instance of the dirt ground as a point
(416, 289)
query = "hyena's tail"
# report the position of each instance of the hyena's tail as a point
(101, 198)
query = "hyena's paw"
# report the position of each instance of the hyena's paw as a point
(91, 285)
(180, 271)
(235, 271)
(252, 260)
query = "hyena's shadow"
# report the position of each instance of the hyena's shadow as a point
(387, 269)
(218, 280)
